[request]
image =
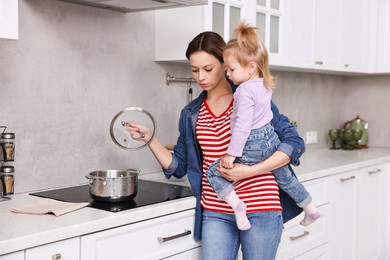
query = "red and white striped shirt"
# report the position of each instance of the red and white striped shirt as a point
(260, 193)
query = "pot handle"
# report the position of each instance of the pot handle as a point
(133, 170)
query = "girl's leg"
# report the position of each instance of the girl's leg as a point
(220, 236)
(294, 188)
(262, 240)
(225, 191)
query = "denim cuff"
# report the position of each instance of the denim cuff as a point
(171, 168)
(289, 150)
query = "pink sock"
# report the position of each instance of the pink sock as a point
(311, 214)
(239, 208)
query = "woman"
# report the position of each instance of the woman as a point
(204, 135)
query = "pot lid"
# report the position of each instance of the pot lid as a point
(121, 137)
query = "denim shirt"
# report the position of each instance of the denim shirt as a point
(187, 156)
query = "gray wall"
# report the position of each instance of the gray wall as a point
(75, 67)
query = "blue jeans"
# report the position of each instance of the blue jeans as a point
(261, 144)
(221, 238)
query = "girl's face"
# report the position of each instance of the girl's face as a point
(236, 73)
(207, 70)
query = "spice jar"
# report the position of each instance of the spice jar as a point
(8, 146)
(7, 179)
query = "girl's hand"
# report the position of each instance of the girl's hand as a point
(138, 132)
(227, 161)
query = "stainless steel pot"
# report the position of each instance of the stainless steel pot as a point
(113, 185)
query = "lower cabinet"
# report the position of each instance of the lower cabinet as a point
(357, 214)
(163, 237)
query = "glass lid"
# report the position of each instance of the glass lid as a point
(122, 137)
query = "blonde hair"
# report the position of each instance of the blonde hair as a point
(246, 47)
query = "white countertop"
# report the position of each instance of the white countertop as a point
(22, 231)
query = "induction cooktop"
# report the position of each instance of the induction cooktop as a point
(149, 192)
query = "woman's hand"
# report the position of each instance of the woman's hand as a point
(138, 132)
(238, 172)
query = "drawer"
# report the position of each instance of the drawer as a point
(297, 239)
(151, 239)
(66, 249)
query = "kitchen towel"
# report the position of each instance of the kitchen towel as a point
(49, 206)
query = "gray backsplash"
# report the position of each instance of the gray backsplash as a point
(75, 67)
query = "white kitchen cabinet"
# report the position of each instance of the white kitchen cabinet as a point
(386, 182)
(13, 256)
(357, 214)
(9, 28)
(370, 212)
(359, 35)
(342, 193)
(157, 238)
(175, 28)
(383, 47)
(66, 249)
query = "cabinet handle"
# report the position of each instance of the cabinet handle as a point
(347, 179)
(165, 239)
(56, 257)
(305, 233)
(374, 171)
(318, 62)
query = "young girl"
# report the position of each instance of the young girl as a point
(252, 135)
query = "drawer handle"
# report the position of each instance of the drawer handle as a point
(165, 239)
(305, 233)
(374, 171)
(348, 178)
(56, 257)
(318, 62)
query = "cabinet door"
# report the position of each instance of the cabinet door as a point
(298, 34)
(359, 37)
(9, 19)
(328, 31)
(67, 249)
(370, 212)
(342, 208)
(386, 182)
(151, 239)
(383, 51)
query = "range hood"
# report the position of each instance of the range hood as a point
(127, 6)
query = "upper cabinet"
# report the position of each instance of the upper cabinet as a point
(175, 28)
(9, 19)
(328, 35)
(383, 51)
(347, 37)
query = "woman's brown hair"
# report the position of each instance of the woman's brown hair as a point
(209, 42)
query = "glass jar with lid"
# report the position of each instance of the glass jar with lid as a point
(7, 179)
(7, 147)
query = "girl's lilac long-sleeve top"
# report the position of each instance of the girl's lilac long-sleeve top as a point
(251, 110)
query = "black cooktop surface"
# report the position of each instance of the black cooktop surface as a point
(149, 192)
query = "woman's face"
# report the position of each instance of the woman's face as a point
(207, 70)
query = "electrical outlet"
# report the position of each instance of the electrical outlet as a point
(311, 137)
